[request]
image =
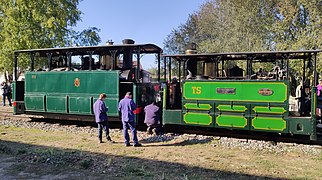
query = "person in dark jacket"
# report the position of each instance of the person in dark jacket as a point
(6, 90)
(152, 118)
(126, 107)
(100, 111)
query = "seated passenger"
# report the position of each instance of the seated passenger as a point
(319, 95)
(152, 118)
(236, 71)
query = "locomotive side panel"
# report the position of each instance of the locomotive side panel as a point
(70, 92)
(248, 105)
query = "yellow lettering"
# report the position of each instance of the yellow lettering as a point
(196, 90)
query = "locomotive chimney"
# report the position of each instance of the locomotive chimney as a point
(127, 54)
(191, 48)
(192, 63)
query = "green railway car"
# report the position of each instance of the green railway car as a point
(224, 92)
(72, 79)
(260, 95)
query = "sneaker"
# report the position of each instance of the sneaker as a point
(127, 144)
(137, 145)
(100, 141)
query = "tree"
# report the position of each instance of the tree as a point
(253, 25)
(30, 24)
(226, 26)
(235, 25)
(178, 39)
(298, 26)
(87, 37)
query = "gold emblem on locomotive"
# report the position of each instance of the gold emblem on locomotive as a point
(77, 82)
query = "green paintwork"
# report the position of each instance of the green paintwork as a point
(57, 104)
(231, 121)
(269, 110)
(172, 117)
(70, 91)
(197, 118)
(80, 105)
(13, 86)
(246, 91)
(195, 106)
(234, 108)
(34, 102)
(269, 123)
(301, 125)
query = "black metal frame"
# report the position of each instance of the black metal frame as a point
(114, 50)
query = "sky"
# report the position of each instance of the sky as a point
(144, 21)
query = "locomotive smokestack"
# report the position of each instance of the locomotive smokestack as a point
(127, 55)
(191, 48)
(192, 63)
(128, 41)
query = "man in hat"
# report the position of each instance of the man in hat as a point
(126, 107)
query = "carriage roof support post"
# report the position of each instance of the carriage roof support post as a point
(32, 61)
(216, 66)
(315, 73)
(248, 62)
(313, 136)
(169, 70)
(159, 70)
(69, 60)
(179, 71)
(249, 66)
(90, 59)
(50, 60)
(222, 68)
(287, 66)
(184, 69)
(164, 68)
(113, 54)
(15, 59)
(138, 68)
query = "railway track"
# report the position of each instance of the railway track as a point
(7, 112)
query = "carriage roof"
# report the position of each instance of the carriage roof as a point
(137, 48)
(265, 55)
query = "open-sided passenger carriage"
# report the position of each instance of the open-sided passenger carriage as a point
(248, 91)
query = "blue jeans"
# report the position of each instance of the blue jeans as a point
(131, 126)
(4, 99)
(103, 126)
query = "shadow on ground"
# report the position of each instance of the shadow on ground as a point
(27, 161)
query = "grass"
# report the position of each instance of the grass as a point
(164, 160)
